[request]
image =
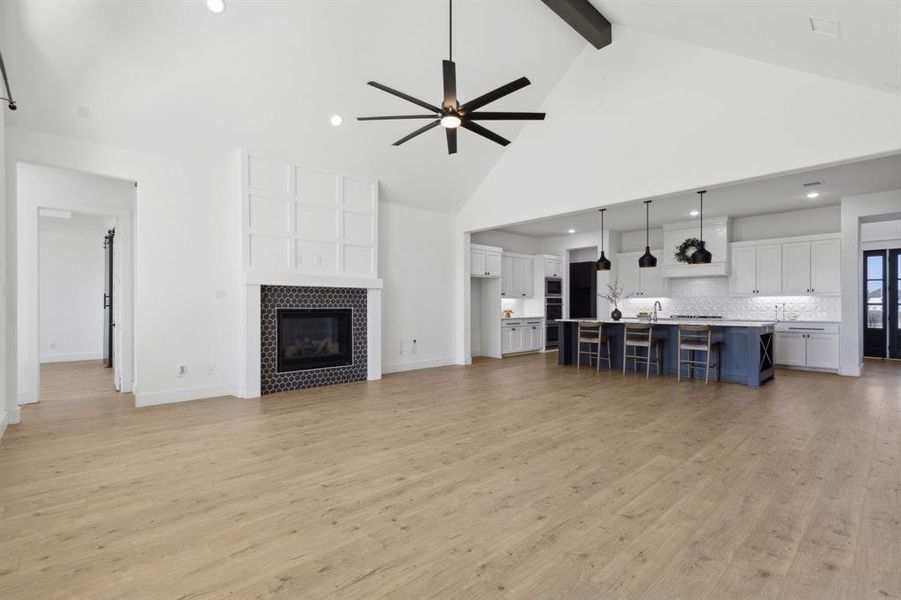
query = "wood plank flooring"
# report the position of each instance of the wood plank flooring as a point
(506, 479)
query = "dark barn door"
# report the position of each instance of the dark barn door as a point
(108, 323)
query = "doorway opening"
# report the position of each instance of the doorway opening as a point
(75, 276)
(882, 303)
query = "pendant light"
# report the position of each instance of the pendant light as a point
(701, 256)
(603, 264)
(647, 260)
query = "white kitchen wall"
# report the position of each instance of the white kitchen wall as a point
(71, 288)
(811, 221)
(416, 265)
(881, 234)
(510, 242)
(710, 296)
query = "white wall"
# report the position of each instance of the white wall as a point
(71, 288)
(510, 242)
(648, 116)
(417, 266)
(881, 206)
(881, 235)
(811, 221)
(9, 406)
(187, 257)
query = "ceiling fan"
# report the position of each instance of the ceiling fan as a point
(452, 113)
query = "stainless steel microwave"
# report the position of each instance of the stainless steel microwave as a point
(553, 287)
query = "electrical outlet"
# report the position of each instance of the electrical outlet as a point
(221, 294)
(413, 347)
(53, 345)
(211, 370)
(182, 370)
(400, 346)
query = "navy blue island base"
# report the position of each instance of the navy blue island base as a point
(746, 349)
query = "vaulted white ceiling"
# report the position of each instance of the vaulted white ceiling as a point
(267, 75)
(172, 77)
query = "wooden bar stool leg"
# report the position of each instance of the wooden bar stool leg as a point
(707, 368)
(658, 358)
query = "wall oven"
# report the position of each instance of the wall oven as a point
(553, 287)
(553, 310)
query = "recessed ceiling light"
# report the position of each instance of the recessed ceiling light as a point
(216, 6)
(336, 120)
(571, 231)
(825, 26)
(693, 213)
(812, 189)
(813, 195)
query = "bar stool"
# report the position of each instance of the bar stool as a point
(698, 338)
(591, 333)
(637, 336)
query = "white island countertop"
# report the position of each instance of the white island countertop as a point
(521, 318)
(664, 321)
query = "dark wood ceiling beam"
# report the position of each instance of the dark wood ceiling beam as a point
(584, 18)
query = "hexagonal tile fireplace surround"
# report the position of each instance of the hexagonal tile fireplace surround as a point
(273, 297)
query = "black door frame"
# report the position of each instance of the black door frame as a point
(893, 304)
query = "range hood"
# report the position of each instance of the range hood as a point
(716, 239)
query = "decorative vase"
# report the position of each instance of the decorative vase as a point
(616, 315)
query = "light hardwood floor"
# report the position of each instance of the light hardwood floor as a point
(507, 479)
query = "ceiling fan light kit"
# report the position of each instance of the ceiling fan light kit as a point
(452, 114)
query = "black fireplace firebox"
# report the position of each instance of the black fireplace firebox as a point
(314, 338)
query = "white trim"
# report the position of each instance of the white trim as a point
(183, 395)
(27, 397)
(56, 358)
(788, 240)
(420, 364)
(259, 277)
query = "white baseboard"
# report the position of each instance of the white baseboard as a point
(419, 364)
(56, 358)
(183, 395)
(27, 397)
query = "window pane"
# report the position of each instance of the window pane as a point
(874, 291)
(874, 317)
(874, 267)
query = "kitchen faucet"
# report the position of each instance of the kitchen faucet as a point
(656, 306)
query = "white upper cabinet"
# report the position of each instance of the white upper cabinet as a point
(507, 276)
(812, 267)
(484, 261)
(790, 266)
(744, 270)
(636, 281)
(553, 267)
(517, 276)
(756, 270)
(304, 221)
(796, 268)
(825, 271)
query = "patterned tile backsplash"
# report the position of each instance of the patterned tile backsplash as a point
(710, 296)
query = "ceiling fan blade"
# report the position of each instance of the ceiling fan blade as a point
(495, 94)
(409, 137)
(450, 84)
(406, 97)
(388, 118)
(451, 140)
(505, 116)
(486, 133)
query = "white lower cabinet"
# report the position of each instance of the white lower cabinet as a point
(521, 336)
(811, 345)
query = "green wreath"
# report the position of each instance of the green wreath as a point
(682, 253)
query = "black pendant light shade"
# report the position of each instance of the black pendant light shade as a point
(603, 264)
(647, 260)
(701, 255)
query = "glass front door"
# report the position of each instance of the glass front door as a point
(875, 301)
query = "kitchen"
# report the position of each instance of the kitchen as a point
(774, 273)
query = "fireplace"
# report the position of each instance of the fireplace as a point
(314, 338)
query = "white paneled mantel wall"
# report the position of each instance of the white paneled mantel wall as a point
(308, 223)
(305, 226)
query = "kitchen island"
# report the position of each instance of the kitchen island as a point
(746, 346)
